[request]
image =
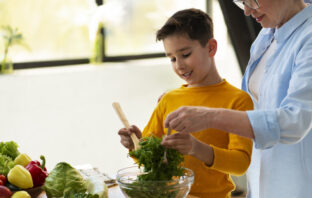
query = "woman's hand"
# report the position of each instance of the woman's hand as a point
(182, 142)
(125, 138)
(189, 119)
(193, 119)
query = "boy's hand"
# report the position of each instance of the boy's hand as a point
(182, 142)
(187, 144)
(125, 138)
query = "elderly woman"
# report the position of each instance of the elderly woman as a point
(279, 80)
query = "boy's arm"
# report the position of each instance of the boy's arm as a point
(234, 159)
(237, 157)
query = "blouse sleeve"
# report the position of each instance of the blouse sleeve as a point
(291, 121)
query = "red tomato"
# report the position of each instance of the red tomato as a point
(3, 179)
(5, 192)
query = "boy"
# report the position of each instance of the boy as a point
(212, 155)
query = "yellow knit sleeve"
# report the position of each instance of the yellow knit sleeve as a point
(236, 159)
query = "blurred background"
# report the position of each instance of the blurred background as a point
(58, 104)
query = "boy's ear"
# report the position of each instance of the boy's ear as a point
(212, 46)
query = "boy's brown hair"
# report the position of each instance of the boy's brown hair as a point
(193, 22)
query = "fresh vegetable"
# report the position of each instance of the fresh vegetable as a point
(97, 186)
(3, 179)
(64, 179)
(9, 149)
(38, 172)
(6, 163)
(150, 155)
(8, 152)
(20, 177)
(5, 192)
(21, 194)
(22, 159)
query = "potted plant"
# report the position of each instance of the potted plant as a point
(10, 37)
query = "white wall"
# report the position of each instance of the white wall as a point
(66, 114)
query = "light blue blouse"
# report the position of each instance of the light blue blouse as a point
(282, 120)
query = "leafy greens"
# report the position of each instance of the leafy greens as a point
(8, 152)
(9, 149)
(6, 163)
(150, 156)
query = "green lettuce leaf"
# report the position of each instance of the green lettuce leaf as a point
(6, 163)
(64, 179)
(9, 149)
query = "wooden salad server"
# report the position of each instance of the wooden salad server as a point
(124, 120)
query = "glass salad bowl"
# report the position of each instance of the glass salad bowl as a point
(178, 187)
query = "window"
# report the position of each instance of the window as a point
(141, 19)
(53, 29)
(60, 32)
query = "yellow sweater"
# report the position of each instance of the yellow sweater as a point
(232, 153)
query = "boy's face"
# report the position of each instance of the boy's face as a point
(190, 60)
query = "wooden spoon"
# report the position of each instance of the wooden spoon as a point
(124, 120)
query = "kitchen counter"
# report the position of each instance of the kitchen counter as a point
(115, 192)
(87, 170)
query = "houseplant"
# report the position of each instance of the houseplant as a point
(10, 37)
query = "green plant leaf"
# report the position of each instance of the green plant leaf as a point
(11, 37)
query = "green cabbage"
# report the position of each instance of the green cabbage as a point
(64, 180)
